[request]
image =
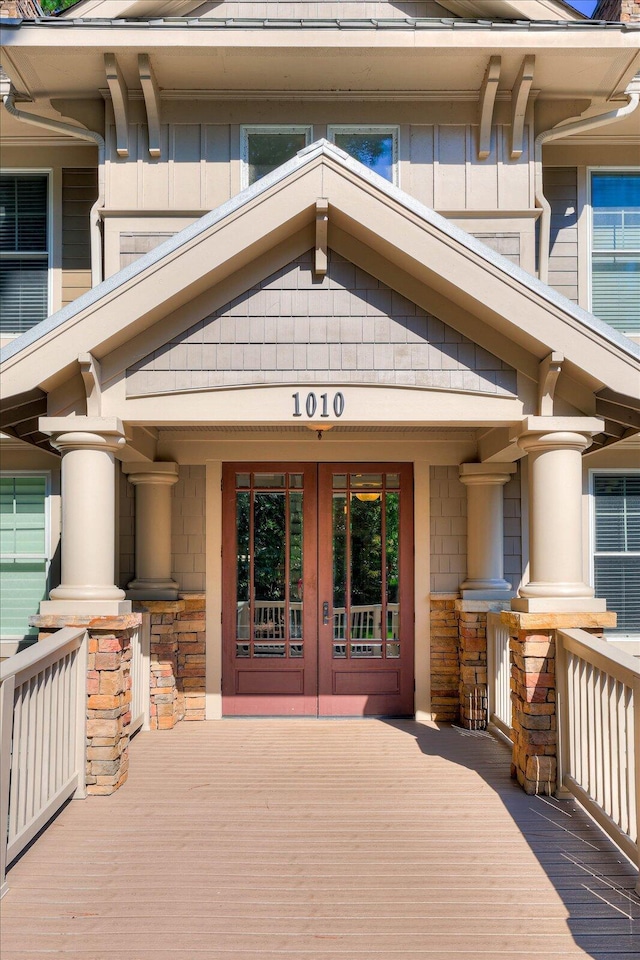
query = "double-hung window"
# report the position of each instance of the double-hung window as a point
(24, 250)
(615, 248)
(376, 147)
(24, 553)
(616, 536)
(266, 147)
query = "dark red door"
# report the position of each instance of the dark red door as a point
(317, 590)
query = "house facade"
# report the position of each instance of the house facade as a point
(321, 330)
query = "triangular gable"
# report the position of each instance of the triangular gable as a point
(373, 224)
(344, 327)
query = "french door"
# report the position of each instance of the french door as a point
(317, 589)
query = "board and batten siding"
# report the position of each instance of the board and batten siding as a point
(79, 193)
(560, 186)
(325, 9)
(199, 167)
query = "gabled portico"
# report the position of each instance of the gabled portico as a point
(234, 342)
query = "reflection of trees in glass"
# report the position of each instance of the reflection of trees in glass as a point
(393, 536)
(269, 150)
(366, 551)
(339, 550)
(269, 541)
(242, 533)
(374, 150)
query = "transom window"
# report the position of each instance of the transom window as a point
(615, 253)
(616, 514)
(24, 251)
(266, 147)
(376, 147)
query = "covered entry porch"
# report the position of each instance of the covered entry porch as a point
(321, 839)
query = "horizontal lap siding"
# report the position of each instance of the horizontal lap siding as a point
(79, 193)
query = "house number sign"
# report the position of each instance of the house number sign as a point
(311, 404)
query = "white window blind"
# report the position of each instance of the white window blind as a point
(24, 256)
(615, 259)
(23, 552)
(617, 546)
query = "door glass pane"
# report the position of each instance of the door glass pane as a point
(339, 574)
(269, 569)
(243, 506)
(295, 568)
(392, 537)
(366, 567)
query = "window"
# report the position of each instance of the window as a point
(266, 147)
(615, 254)
(24, 250)
(616, 500)
(375, 147)
(23, 551)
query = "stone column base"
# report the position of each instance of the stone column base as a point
(177, 659)
(472, 623)
(108, 693)
(533, 691)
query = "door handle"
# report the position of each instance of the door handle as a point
(325, 613)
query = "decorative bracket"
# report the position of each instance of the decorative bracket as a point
(90, 371)
(519, 100)
(322, 233)
(119, 98)
(549, 371)
(488, 93)
(151, 93)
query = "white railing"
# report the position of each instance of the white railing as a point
(43, 714)
(598, 690)
(499, 675)
(140, 675)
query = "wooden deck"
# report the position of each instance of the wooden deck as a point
(319, 840)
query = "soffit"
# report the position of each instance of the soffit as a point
(65, 59)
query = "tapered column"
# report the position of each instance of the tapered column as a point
(88, 446)
(153, 482)
(555, 515)
(485, 528)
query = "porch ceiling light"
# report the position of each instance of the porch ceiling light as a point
(367, 497)
(319, 428)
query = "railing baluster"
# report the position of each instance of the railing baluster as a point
(42, 734)
(600, 723)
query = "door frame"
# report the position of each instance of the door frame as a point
(305, 701)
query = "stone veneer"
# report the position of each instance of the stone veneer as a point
(108, 693)
(533, 691)
(177, 653)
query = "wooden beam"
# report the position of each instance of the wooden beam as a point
(619, 398)
(120, 100)
(151, 93)
(519, 101)
(488, 93)
(90, 371)
(549, 371)
(322, 234)
(617, 414)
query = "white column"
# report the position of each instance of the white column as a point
(153, 482)
(555, 515)
(485, 528)
(88, 446)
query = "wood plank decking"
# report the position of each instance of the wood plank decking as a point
(319, 840)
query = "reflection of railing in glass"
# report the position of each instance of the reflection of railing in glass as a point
(269, 626)
(365, 626)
